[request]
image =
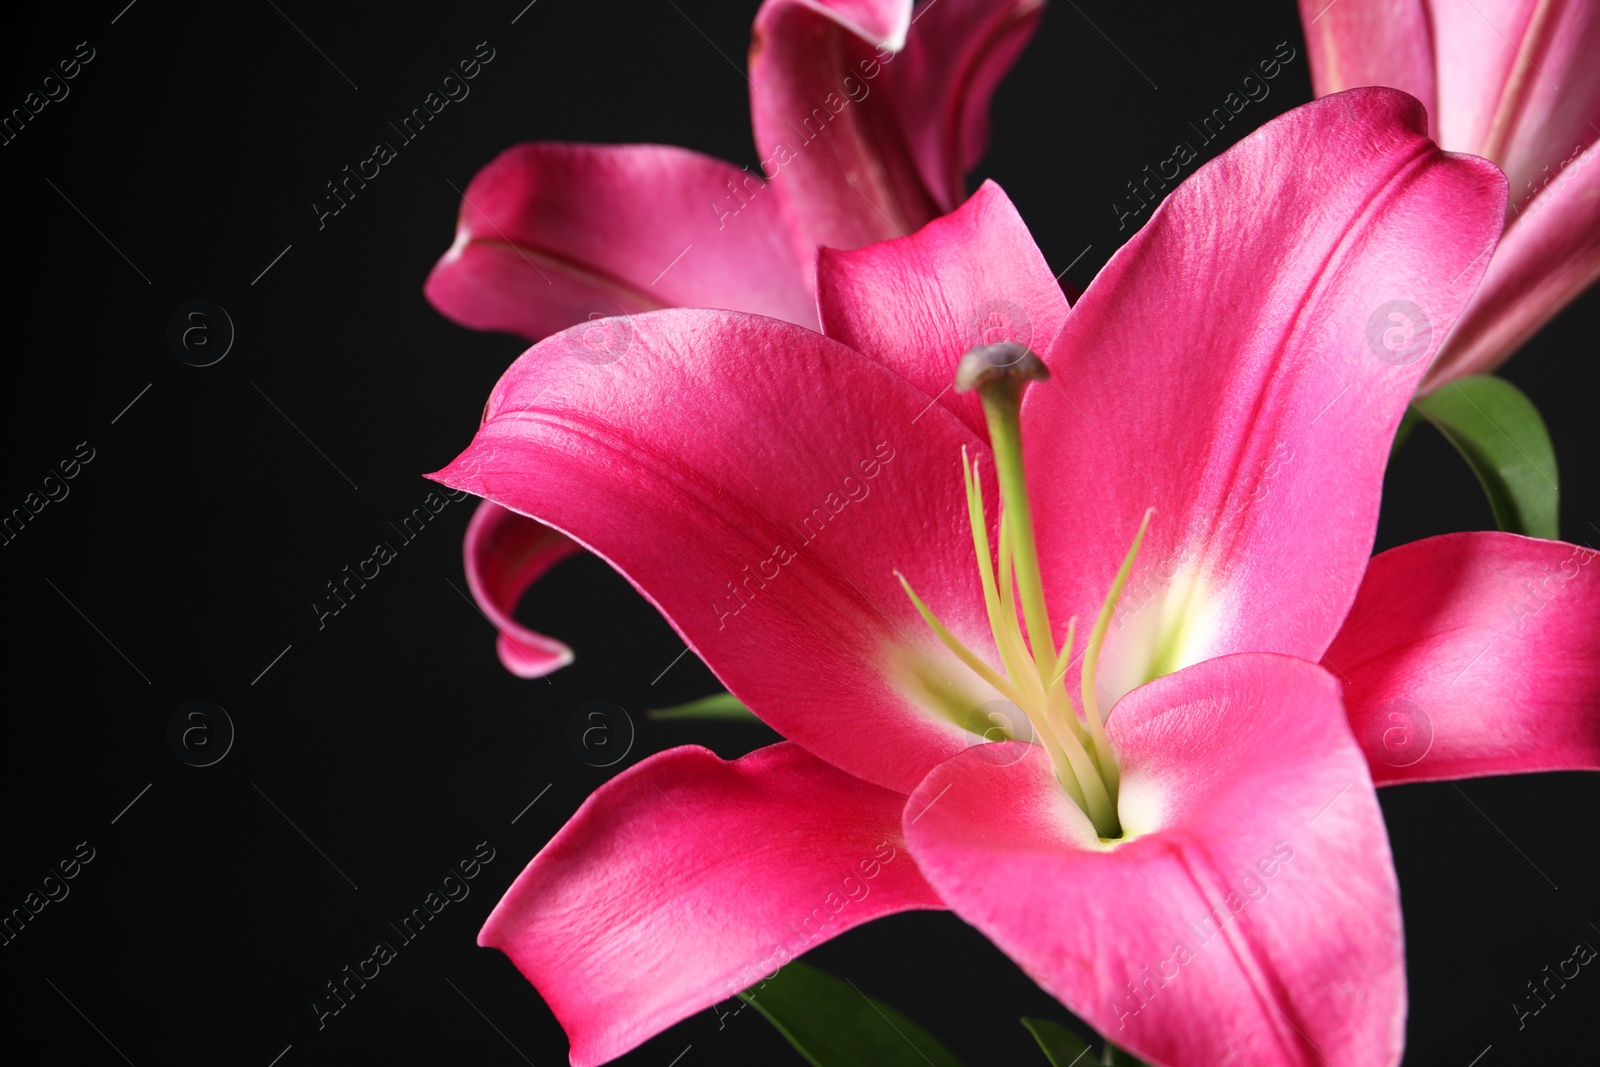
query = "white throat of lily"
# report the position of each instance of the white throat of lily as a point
(1034, 678)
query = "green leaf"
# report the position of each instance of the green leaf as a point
(833, 1024)
(724, 706)
(1061, 1046)
(1504, 441)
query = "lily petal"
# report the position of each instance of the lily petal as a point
(828, 136)
(883, 23)
(1254, 916)
(916, 304)
(1550, 254)
(1473, 654)
(688, 878)
(505, 553)
(956, 54)
(1517, 80)
(551, 234)
(1353, 43)
(764, 520)
(1232, 367)
(1512, 80)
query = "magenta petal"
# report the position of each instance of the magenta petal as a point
(1512, 80)
(760, 483)
(879, 22)
(1560, 105)
(1473, 654)
(1254, 917)
(1232, 368)
(1550, 254)
(1517, 80)
(827, 129)
(551, 234)
(955, 57)
(917, 304)
(1352, 43)
(505, 553)
(687, 878)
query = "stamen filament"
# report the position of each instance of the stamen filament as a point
(1009, 651)
(1091, 657)
(1063, 663)
(1060, 730)
(1100, 803)
(1097, 800)
(1066, 772)
(1058, 704)
(1005, 436)
(1075, 769)
(1009, 634)
(962, 652)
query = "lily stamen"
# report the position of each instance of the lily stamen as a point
(1091, 659)
(1034, 670)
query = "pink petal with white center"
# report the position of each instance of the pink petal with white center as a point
(1474, 654)
(1252, 919)
(1241, 365)
(760, 484)
(505, 554)
(688, 878)
(917, 304)
(551, 234)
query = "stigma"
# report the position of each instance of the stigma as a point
(1033, 669)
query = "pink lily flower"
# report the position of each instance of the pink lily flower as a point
(1514, 81)
(1191, 855)
(866, 118)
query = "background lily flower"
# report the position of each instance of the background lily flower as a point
(1514, 81)
(866, 117)
(761, 484)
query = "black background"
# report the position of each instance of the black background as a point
(185, 558)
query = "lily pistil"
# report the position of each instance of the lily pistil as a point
(1034, 669)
